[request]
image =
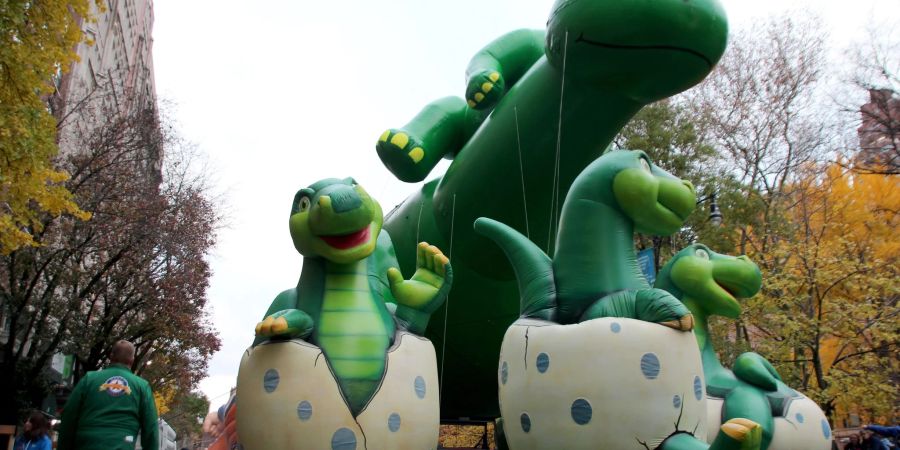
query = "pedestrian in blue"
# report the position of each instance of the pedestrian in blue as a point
(36, 434)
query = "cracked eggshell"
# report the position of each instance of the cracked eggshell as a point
(803, 425)
(287, 398)
(615, 381)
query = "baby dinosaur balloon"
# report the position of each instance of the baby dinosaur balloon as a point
(711, 284)
(540, 106)
(336, 359)
(590, 339)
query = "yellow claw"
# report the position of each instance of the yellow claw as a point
(279, 325)
(487, 86)
(479, 96)
(384, 136)
(400, 140)
(494, 76)
(472, 104)
(265, 327)
(738, 429)
(417, 154)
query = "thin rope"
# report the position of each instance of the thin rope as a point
(522, 173)
(554, 193)
(418, 225)
(447, 306)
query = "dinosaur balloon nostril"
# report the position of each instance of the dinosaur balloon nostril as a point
(689, 185)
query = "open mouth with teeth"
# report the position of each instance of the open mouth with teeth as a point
(345, 241)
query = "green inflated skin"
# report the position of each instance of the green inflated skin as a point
(530, 93)
(350, 275)
(712, 284)
(594, 272)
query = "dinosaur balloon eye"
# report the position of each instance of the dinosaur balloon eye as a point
(702, 254)
(645, 164)
(303, 205)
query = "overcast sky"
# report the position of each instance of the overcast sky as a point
(279, 94)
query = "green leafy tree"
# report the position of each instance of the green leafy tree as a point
(37, 41)
(186, 414)
(137, 270)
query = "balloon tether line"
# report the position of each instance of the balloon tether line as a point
(554, 193)
(446, 307)
(522, 174)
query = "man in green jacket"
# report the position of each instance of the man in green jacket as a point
(109, 408)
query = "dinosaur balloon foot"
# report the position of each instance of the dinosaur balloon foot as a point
(403, 155)
(740, 434)
(684, 323)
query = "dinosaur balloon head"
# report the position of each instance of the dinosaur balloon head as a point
(656, 202)
(714, 282)
(336, 220)
(646, 49)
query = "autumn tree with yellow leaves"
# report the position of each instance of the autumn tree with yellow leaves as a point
(828, 313)
(786, 168)
(37, 41)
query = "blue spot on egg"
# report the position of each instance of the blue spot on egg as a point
(650, 366)
(615, 327)
(304, 410)
(343, 439)
(526, 422)
(270, 380)
(543, 362)
(698, 388)
(394, 422)
(676, 401)
(826, 430)
(799, 417)
(504, 372)
(581, 411)
(420, 387)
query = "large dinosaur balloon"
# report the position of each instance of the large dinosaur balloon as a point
(624, 381)
(337, 359)
(711, 284)
(541, 105)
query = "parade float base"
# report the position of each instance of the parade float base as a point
(287, 398)
(609, 383)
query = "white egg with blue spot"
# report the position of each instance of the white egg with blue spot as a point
(287, 398)
(611, 380)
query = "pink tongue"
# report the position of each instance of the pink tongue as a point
(346, 241)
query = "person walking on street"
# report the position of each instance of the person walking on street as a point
(109, 408)
(36, 434)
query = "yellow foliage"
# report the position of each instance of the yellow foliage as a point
(163, 398)
(829, 306)
(37, 39)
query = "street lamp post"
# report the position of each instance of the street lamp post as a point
(715, 214)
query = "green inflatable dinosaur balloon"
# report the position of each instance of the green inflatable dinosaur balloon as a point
(352, 309)
(539, 107)
(712, 284)
(594, 272)
(592, 321)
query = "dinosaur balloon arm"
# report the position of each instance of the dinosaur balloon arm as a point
(421, 295)
(533, 268)
(511, 55)
(288, 323)
(755, 369)
(436, 132)
(285, 300)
